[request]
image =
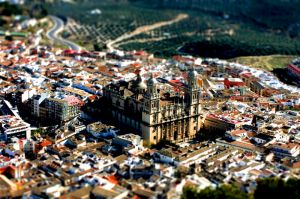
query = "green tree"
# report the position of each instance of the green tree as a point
(7, 9)
(38, 131)
(222, 192)
(8, 38)
(269, 188)
(277, 188)
(189, 192)
(292, 187)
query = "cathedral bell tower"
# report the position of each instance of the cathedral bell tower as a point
(151, 112)
(151, 96)
(193, 90)
(139, 86)
(193, 103)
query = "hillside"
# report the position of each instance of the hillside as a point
(214, 28)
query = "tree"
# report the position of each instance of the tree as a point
(100, 47)
(7, 9)
(8, 38)
(189, 192)
(97, 47)
(277, 188)
(38, 132)
(292, 187)
(222, 192)
(266, 188)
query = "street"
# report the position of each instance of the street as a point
(58, 27)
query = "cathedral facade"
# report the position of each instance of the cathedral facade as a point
(153, 113)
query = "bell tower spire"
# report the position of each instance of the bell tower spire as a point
(193, 92)
(152, 86)
(152, 95)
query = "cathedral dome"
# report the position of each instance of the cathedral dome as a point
(151, 81)
(142, 85)
(139, 83)
(192, 74)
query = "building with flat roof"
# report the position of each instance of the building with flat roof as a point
(11, 126)
(58, 111)
(285, 150)
(222, 122)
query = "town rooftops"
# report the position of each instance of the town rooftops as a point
(10, 122)
(288, 146)
(230, 117)
(76, 91)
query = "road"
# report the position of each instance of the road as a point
(58, 27)
(146, 28)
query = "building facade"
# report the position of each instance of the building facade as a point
(53, 110)
(144, 108)
(59, 110)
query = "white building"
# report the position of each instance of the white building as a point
(11, 126)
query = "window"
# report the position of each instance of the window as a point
(154, 118)
(163, 114)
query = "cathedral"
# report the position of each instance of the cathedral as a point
(154, 113)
